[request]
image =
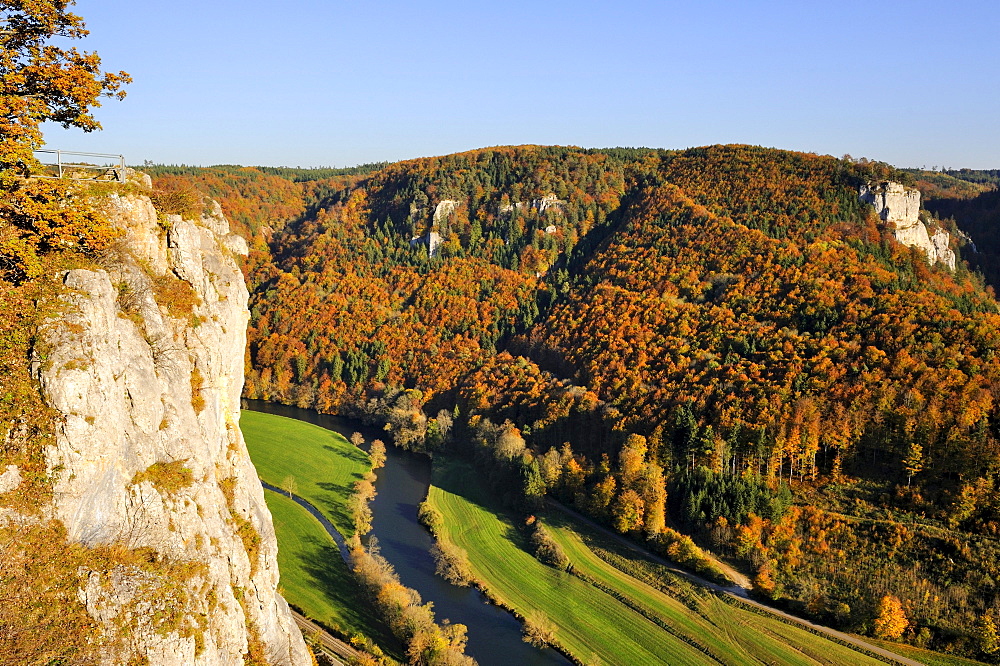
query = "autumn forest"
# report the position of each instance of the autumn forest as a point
(720, 342)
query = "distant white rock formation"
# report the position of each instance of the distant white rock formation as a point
(444, 210)
(432, 240)
(547, 202)
(899, 206)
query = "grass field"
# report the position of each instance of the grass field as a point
(314, 577)
(928, 657)
(604, 612)
(320, 465)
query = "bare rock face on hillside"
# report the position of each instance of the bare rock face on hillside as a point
(431, 239)
(941, 240)
(547, 202)
(899, 207)
(145, 365)
(444, 210)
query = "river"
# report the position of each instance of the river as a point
(494, 634)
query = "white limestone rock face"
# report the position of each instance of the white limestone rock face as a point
(894, 203)
(444, 210)
(10, 479)
(140, 381)
(941, 240)
(899, 207)
(548, 202)
(431, 239)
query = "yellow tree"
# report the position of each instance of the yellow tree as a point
(913, 463)
(631, 459)
(986, 636)
(41, 82)
(627, 512)
(654, 496)
(891, 621)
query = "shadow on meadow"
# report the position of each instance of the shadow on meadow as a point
(334, 504)
(459, 478)
(353, 453)
(325, 572)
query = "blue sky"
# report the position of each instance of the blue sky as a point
(332, 83)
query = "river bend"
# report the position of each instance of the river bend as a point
(494, 634)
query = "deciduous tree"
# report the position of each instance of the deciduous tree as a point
(627, 512)
(891, 621)
(41, 82)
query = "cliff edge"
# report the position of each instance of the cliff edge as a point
(899, 207)
(144, 365)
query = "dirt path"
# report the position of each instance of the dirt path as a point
(740, 590)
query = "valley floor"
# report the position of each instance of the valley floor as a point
(655, 615)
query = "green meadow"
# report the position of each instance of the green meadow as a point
(314, 578)
(316, 464)
(928, 657)
(601, 611)
(320, 466)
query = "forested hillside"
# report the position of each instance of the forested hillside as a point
(722, 340)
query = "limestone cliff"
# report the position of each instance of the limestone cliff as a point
(547, 202)
(443, 211)
(145, 366)
(899, 207)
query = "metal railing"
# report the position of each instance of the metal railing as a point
(112, 167)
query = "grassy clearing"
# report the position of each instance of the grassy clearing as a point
(314, 577)
(314, 463)
(602, 612)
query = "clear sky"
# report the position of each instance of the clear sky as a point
(334, 83)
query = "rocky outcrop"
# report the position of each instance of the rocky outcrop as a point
(941, 240)
(899, 207)
(431, 239)
(145, 365)
(894, 203)
(547, 202)
(443, 211)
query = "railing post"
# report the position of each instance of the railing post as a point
(59, 162)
